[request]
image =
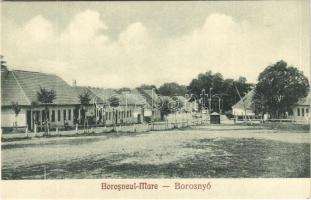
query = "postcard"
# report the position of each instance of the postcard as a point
(155, 99)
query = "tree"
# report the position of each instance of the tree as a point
(279, 87)
(165, 108)
(16, 109)
(224, 88)
(178, 103)
(230, 95)
(46, 97)
(172, 89)
(124, 89)
(85, 100)
(148, 87)
(114, 102)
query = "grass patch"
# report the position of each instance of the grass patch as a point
(227, 158)
(287, 126)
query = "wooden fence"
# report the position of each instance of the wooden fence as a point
(80, 129)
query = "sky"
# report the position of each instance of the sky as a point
(125, 44)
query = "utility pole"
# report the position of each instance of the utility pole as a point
(126, 116)
(152, 104)
(210, 100)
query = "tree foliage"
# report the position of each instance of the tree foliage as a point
(85, 98)
(148, 87)
(172, 89)
(114, 101)
(165, 108)
(178, 103)
(16, 108)
(225, 88)
(124, 89)
(279, 87)
(46, 96)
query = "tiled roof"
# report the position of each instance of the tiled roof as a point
(245, 101)
(149, 96)
(80, 90)
(133, 98)
(22, 86)
(155, 96)
(128, 98)
(141, 97)
(103, 94)
(12, 91)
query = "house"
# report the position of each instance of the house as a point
(21, 87)
(130, 109)
(86, 111)
(244, 107)
(153, 111)
(185, 104)
(301, 110)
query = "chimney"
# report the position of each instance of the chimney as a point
(74, 83)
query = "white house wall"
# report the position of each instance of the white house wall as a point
(8, 117)
(241, 112)
(304, 113)
(109, 114)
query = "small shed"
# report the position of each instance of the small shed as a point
(215, 118)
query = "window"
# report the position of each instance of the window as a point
(64, 113)
(69, 114)
(307, 111)
(130, 113)
(53, 115)
(302, 112)
(58, 115)
(106, 116)
(298, 112)
(43, 115)
(48, 114)
(109, 116)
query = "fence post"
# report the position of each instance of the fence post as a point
(56, 130)
(26, 131)
(35, 130)
(76, 128)
(48, 129)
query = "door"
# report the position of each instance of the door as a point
(28, 119)
(139, 118)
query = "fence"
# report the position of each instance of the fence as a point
(133, 128)
(258, 121)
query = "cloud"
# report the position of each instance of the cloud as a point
(85, 27)
(83, 51)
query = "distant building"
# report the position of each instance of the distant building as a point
(244, 107)
(22, 87)
(152, 112)
(186, 105)
(130, 109)
(301, 110)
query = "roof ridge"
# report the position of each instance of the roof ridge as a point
(19, 70)
(19, 85)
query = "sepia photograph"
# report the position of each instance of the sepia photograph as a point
(155, 90)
